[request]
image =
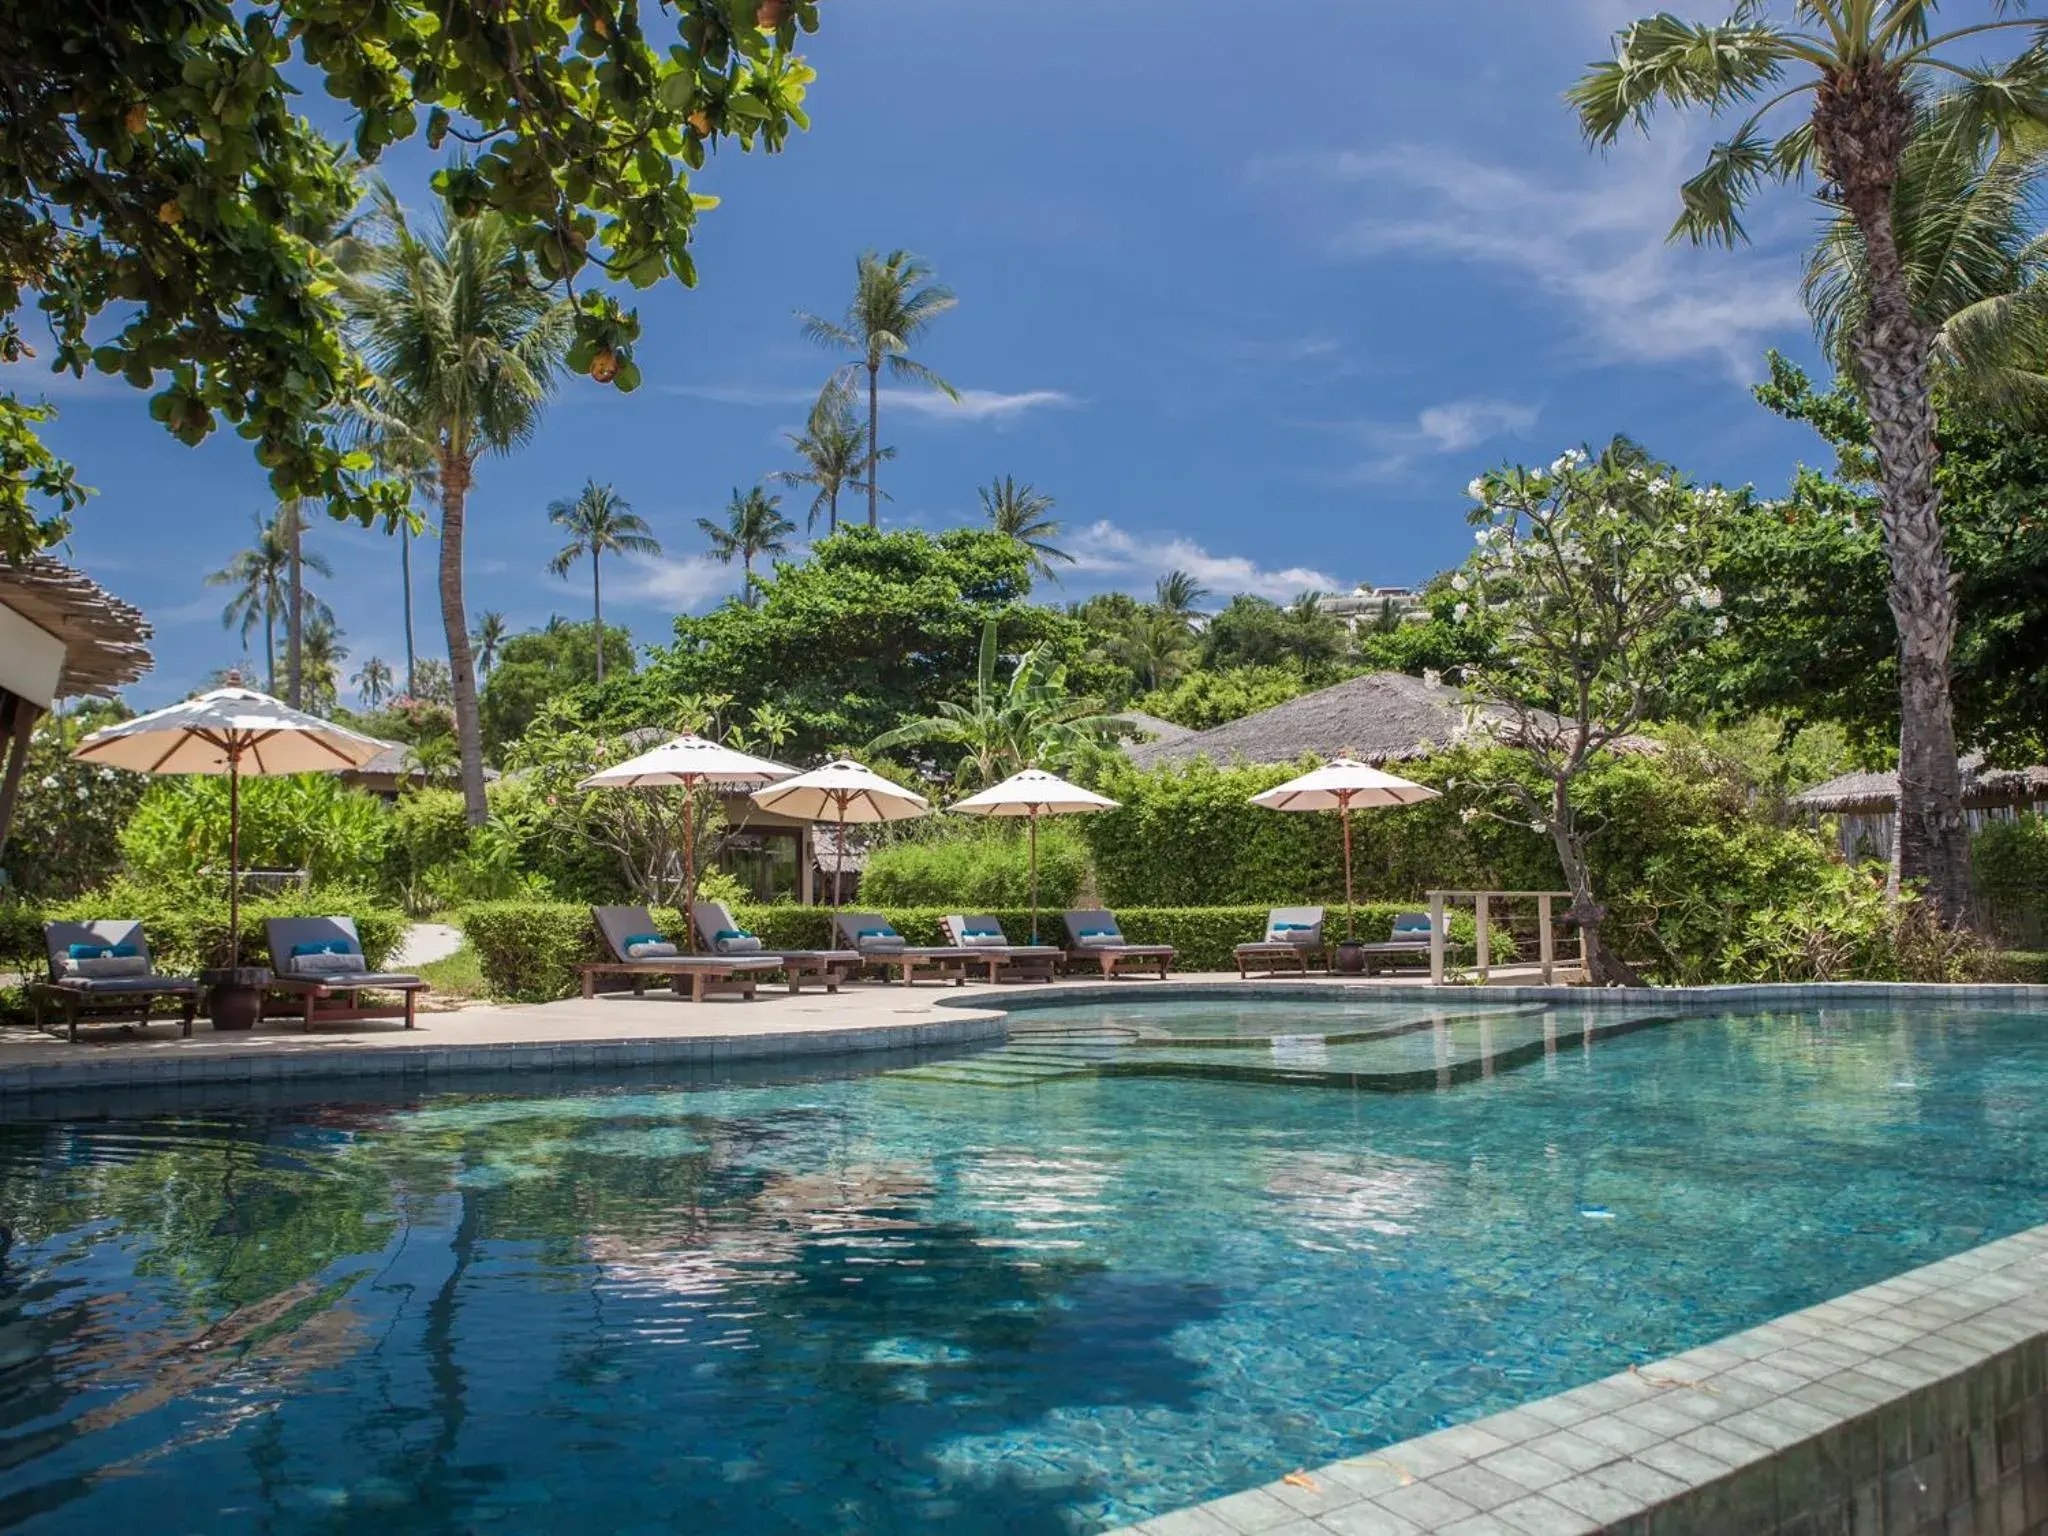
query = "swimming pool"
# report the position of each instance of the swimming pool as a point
(1140, 1256)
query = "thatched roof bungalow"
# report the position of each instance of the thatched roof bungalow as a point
(1379, 717)
(1866, 802)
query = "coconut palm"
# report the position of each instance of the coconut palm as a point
(1154, 645)
(487, 640)
(374, 681)
(833, 448)
(1009, 725)
(754, 525)
(599, 522)
(894, 303)
(321, 655)
(1176, 593)
(261, 579)
(466, 351)
(1864, 65)
(1021, 513)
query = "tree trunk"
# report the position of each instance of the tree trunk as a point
(455, 477)
(412, 680)
(832, 511)
(747, 578)
(295, 613)
(874, 447)
(1861, 129)
(597, 612)
(1604, 968)
(270, 645)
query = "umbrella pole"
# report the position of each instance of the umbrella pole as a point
(1350, 912)
(1034, 874)
(838, 857)
(689, 863)
(235, 858)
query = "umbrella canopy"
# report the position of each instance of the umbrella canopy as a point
(1034, 793)
(233, 731)
(689, 759)
(230, 730)
(842, 792)
(1344, 786)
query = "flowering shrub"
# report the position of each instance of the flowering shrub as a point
(67, 824)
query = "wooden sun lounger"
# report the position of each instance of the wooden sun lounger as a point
(1115, 957)
(1406, 942)
(335, 998)
(1006, 961)
(802, 967)
(941, 962)
(709, 975)
(1274, 954)
(106, 999)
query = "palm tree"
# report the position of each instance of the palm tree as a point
(466, 350)
(833, 448)
(292, 515)
(261, 579)
(322, 655)
(1009, 725)
(1863, 63)
(374, 681)
(754, 525)
(1176, 593)
(488, 640)
(1020, 513)
(894, 303)
(1153, 645)
(599, 522)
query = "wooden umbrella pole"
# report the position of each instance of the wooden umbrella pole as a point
(235, 858)
(1034, 874)
(1350, 906)
(839, 852)
(689, 862)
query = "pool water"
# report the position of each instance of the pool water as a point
(1084, 1278)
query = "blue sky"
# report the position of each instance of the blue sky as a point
(1256, 303)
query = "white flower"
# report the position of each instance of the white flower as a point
(1660, 485)
(1459, 583)
(1461, 611)
(1476, 490)
(49, 781)
(1570, 459)
(1469, 815)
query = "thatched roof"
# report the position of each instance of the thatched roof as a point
(395, 762)
(851, 857)
(1379, 717)
(104, 638)
(1877, 794)
(1150, 728)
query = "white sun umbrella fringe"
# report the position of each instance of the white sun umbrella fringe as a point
(688, 761)
(234, 731)
(1344, 786)
(842, 792)
(1032, 794)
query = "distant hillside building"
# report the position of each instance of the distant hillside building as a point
(1369, 606)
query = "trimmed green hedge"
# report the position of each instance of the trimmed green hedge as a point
(530, 950)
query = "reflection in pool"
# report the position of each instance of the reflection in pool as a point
(1098, 1273)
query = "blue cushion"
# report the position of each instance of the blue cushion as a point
(1100, 933)
(643, 938)
(878, 933)
(981, 933)
(123, 951)
(1294, 927)
(730, 933)
(90, 951)
(323, 947)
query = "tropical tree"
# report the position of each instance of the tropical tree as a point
(1860, 68)
(488, 639)
(1010, 724)
(1023, 513)
(261, 581)
(599, 522)
(894, 303)
(754, 526)
(321, 656)
(373, 680)
(1177, 593)
(466, 351)
(1153, 645)
(834, 450)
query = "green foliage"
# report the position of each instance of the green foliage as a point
(160, 171)
(68, 821)
(1202, 700)
(985, 869)
(1189, 836)
(304, 821)
(541, 665)
(1253, 632)
(38, 490)
(2010, 860)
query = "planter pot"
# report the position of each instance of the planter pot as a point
(1348, 958)
(234, 998)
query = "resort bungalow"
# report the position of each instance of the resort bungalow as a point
(1867, 802)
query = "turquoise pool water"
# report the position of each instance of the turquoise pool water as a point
(1134, 1259)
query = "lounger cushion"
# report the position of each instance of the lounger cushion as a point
(879, 941)
(129, 986)
(650, 946)
(736, 941)
(1101, 936)
(983, 940)
(326, 962)
(106, 964)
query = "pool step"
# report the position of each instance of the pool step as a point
(1006, 1068)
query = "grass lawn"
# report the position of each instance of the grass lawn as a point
(457, 979)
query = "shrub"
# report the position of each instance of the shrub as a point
(1189, 836)
(989, 867)
(67, 825)
(300, 821)
(530, 951)
(2011, 863)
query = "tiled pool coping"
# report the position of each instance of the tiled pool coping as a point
(1913, 1405)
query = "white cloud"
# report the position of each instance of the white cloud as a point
(975, 404)
(1593, 244)
(678, 584)
(1453, 426)
(1104, 549)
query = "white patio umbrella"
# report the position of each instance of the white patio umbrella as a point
(843, 792)
(688, 761)
(1344, 786)
(234, 731)
(1032, 794)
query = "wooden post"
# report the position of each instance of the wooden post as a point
(18, 723)
(806, 866)
(1546, 941)
(1436, 938)
(1482, 912)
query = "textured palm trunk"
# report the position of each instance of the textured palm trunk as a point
(874, 446)
(455, 474)
(270, 643)
(597, 612)
(295, 614)
(412, 680)
(1861, 127)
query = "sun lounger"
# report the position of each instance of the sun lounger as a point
(630, 929)
(880, 945)
(102, 973)
(1096, 936)
(984, 937)
(1292, 935)
(803, 967)
(317, 963)
(1410, 937)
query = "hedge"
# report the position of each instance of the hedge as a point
(530, 950)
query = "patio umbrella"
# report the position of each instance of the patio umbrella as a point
(842, 792)
(1032, 794)
(689, 760)
(234, 731)
(1344, 786)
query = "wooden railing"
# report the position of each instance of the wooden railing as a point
(1482, 907)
